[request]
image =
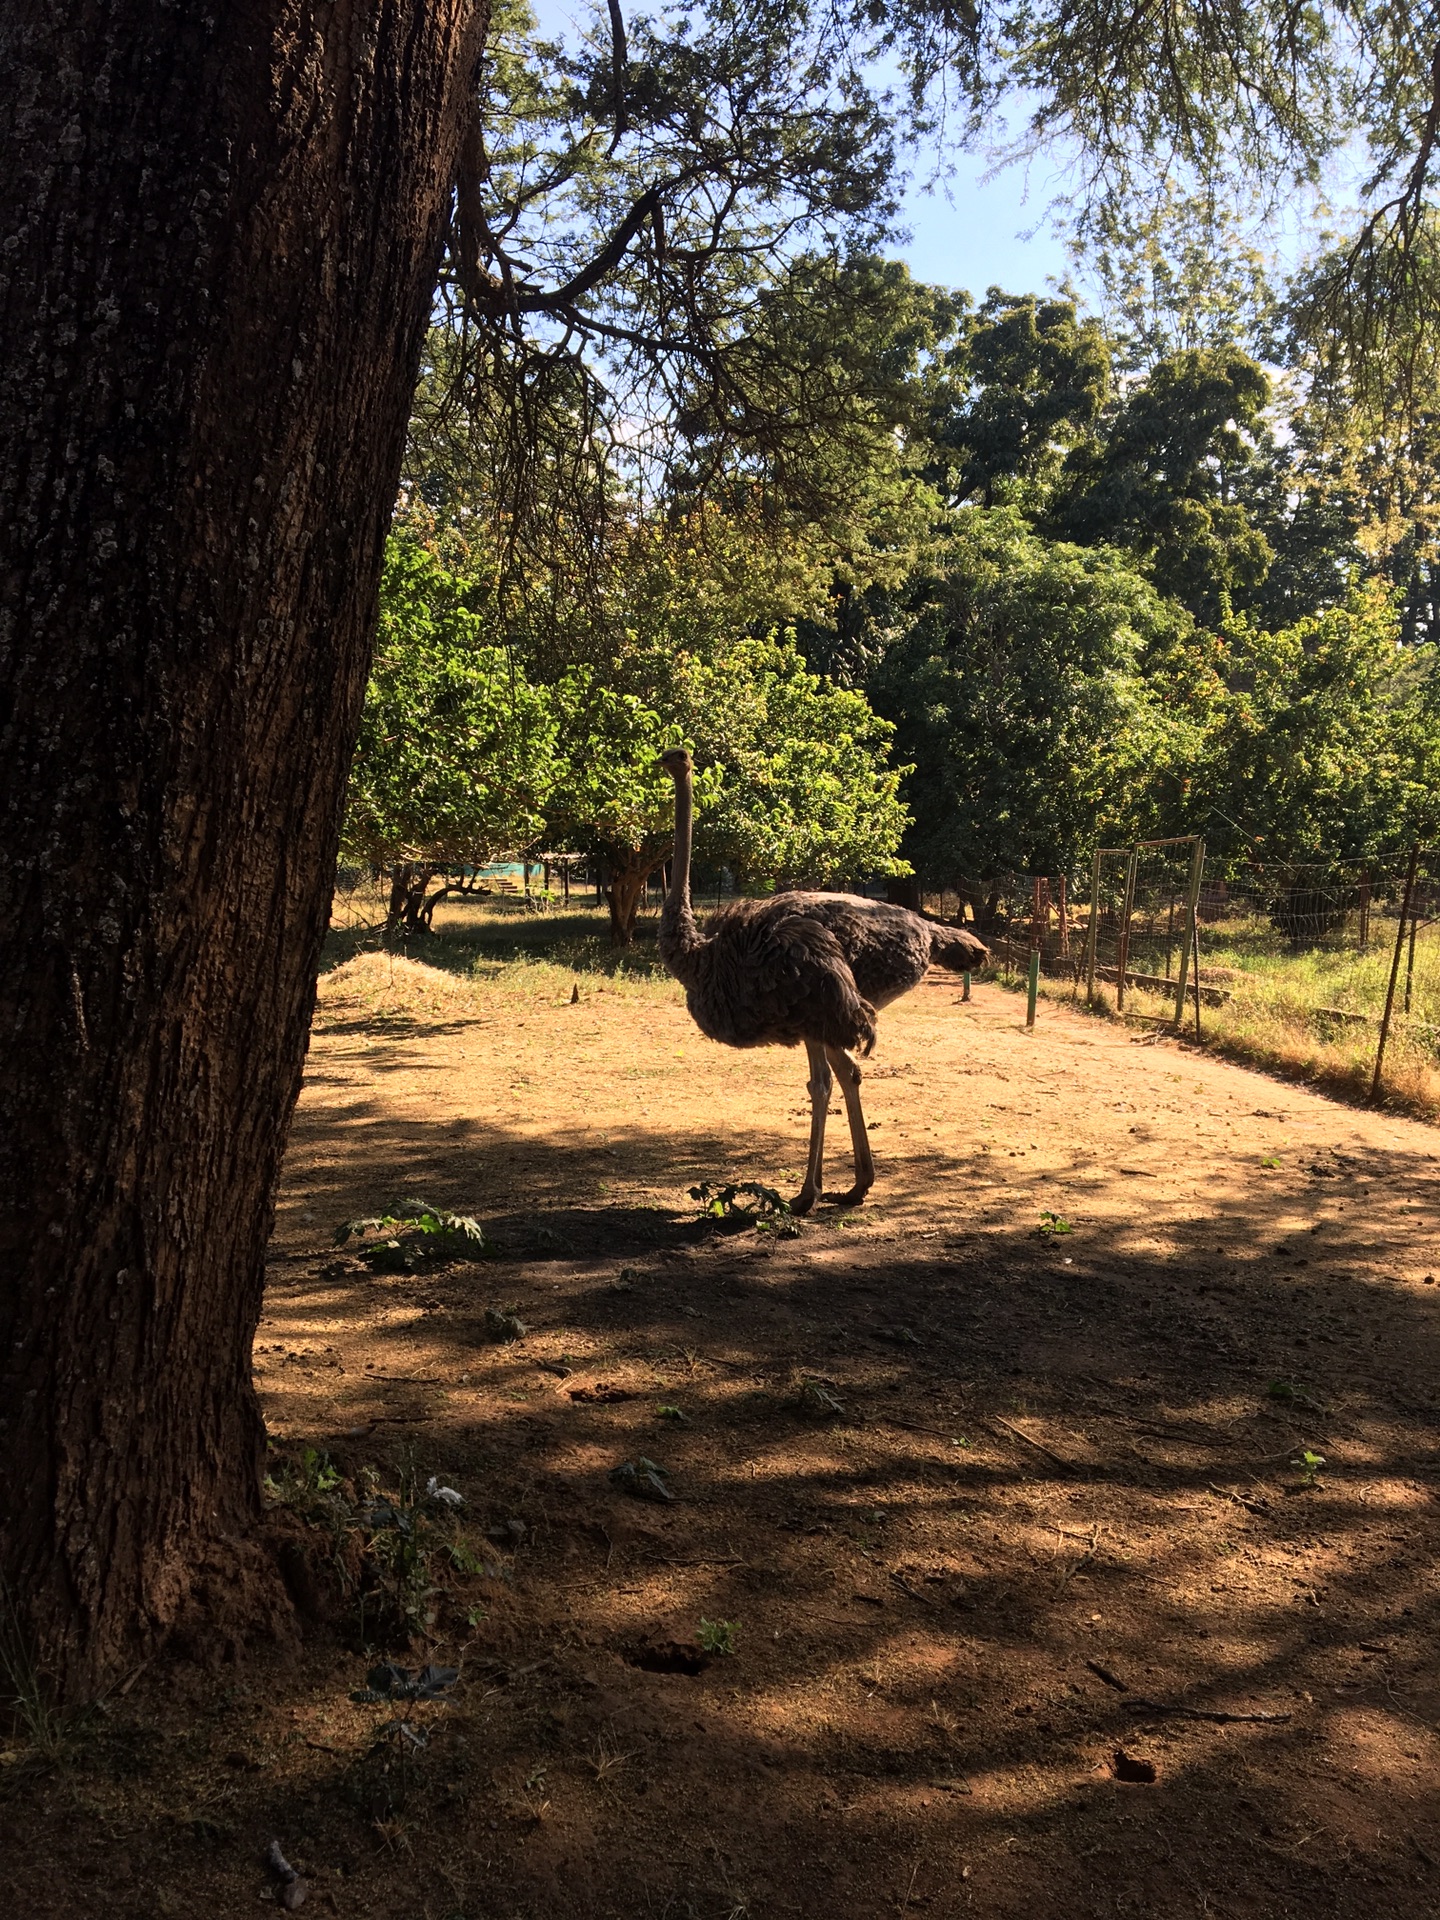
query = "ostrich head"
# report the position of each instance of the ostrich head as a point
(676, 762)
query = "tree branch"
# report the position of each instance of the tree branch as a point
(619, 67)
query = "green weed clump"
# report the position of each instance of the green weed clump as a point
(719, 1636)
(400, 1547)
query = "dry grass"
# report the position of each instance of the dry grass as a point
(482, 952)
(1285, 1032)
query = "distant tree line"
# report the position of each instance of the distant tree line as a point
(1069, 578)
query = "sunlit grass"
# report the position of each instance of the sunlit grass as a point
(479, 954)
(1281, 1011)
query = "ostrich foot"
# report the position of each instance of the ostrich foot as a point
(803, 1201)
(854, 1198)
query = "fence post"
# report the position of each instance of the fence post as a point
(1394, 971)
(1123, 955)
(1094, 932)
(1191, 941)
(1032, 988)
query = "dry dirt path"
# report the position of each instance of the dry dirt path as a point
(1039, 1513)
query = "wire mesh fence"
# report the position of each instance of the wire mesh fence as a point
(1331, 969)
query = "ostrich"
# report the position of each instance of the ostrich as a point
(800, 966)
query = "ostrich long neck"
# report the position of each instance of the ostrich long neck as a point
(679, 935)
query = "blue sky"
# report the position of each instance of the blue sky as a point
(967, 231)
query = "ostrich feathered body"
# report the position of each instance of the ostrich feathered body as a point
(806, 966)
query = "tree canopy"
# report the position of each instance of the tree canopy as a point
(456, 756)
(476, 740)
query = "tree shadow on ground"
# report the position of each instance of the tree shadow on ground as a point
(1043, 1510)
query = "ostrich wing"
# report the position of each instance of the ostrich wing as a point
(771, 974)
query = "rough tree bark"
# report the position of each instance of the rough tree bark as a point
(218, 240)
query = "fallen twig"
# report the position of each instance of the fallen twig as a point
(1240, 1499)
(1070, 1466)
(906, 1587)
(1174, 1708)
(1110, 1679)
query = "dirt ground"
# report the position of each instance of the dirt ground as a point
(982, 1508)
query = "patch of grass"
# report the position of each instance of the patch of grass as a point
(607, 1757)
(33, 1715)
(1286, 1012)
(486, 940)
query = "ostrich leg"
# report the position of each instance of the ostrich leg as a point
(848, 1074)
(820, 1084)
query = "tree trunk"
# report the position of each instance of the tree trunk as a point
(627, 884)
(409, 912)
(218, 244)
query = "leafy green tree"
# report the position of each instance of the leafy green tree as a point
(1025, 381)
(1165, 479)
(793, 785)
(807, 795)
(456, 751)
(1324, 743)
(611, 804)
(1021, 688)
(1366, 434)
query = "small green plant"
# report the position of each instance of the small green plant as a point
(26, 1696)
(764, 1209)
(311, 1485)
(672, 1413)
(1270, 1162)
(718, 1636)
(1308, 1466)
(1053, 1224)
(816, 1399)
(392, 1548)
(412, 1235)
(1291, 1395)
